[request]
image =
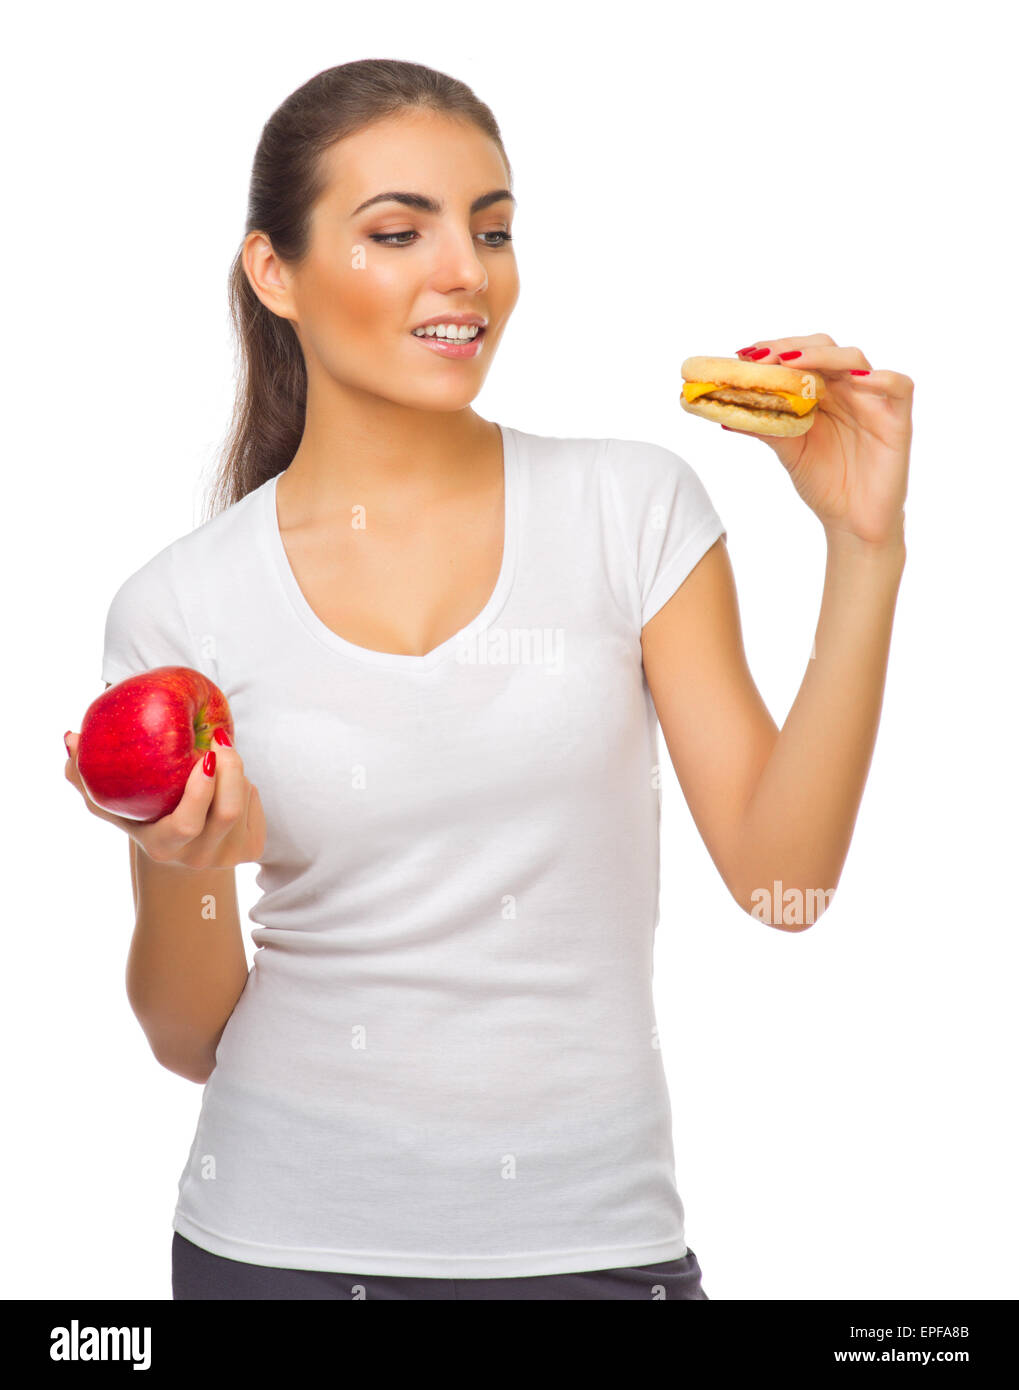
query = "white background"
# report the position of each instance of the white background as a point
(844, 1098)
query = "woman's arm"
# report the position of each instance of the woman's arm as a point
(775, 806)
(186, 968)
(780, 807)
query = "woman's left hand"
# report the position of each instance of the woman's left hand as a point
(851, 466)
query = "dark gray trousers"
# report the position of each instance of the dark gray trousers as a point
(198, 1274)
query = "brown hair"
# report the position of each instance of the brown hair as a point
(287, 179)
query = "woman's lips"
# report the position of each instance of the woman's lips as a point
(452, 347)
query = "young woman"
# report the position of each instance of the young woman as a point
(447, 645)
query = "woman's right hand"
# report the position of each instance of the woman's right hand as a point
(217, 824)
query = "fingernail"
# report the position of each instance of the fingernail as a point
(730, 429)
(787, 356)
(67, 746)
(746, 349)
(209, 765)
(853, 371)
(221, 736)
(761, 352)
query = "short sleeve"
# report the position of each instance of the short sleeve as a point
(667, 519)
(146, 625)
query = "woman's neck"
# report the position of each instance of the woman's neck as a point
(392, 472)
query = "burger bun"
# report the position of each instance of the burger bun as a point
(743, 378)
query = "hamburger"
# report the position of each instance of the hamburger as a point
(762, 398)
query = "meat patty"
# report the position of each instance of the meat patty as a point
(762, 400)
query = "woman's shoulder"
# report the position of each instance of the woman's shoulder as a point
(609, 451)
(221, 541)
(637, 466)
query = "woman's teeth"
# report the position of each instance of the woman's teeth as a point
(448, 330)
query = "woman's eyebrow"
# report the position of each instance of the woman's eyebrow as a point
(426, 204)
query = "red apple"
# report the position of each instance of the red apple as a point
(141, 738)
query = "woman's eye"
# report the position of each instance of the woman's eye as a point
(393, 238)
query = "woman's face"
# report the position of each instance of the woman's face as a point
(375, 273)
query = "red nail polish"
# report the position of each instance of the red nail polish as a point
(221, 736)
(787, 356)
(853, 371)
(730, 429)
(746, 349)
(761, 352)
(209, 765)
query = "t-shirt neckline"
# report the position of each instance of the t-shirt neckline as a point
(407, 661)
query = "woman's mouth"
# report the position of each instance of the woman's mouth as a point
(449, 347)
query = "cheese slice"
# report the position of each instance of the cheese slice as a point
(798, 404)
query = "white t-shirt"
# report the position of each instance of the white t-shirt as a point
(444, 1062)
